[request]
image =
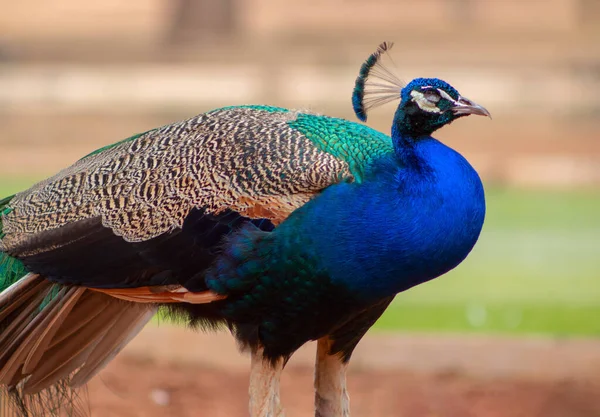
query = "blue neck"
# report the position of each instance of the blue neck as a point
(400, 227)
(405, 137)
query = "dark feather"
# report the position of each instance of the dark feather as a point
(88, 254)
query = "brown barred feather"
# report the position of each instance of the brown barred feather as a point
(147, 186)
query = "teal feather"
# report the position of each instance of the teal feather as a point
(11, 269)
(356, 144)
(387, 89)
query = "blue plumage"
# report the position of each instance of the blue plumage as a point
(416, 214)
(402, 227)
(282, 225)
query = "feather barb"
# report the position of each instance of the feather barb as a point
(368, 94)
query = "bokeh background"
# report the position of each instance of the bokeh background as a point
(512, 331)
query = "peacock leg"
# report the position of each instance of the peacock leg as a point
(264, 386)
(331, 395)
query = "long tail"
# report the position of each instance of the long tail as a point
(54, 339)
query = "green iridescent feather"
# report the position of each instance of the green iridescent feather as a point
(354, 143)
(11, 269)
(351, 142)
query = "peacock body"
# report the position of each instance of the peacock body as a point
(283, 225)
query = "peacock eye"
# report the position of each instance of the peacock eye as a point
(432, 95)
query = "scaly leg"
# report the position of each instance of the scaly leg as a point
(331, 395)
(264, 387)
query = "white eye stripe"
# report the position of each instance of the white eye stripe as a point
(446, 95)
(423, 103)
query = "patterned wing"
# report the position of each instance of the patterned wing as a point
(180, 188)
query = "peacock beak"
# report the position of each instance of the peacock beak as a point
(466, 106)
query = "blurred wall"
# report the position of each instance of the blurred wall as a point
(76, 75)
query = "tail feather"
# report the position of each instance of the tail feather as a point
(67, 356)
(16, 353)
(84, 312)
(16, 295)
(121, 333)
(14, 333)
(15, 357)
(54, 339)
(52, 342)
(49, 329)
(48, 403)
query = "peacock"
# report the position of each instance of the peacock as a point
(283, 226)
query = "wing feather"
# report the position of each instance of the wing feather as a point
(246, 160)
(153, 210)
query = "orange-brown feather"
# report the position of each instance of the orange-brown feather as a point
(161, 294)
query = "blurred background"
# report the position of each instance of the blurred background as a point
(512, 331)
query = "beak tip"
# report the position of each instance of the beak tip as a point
(466, 106)
(484, 111)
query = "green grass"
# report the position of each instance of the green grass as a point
(11, 186)
(536, 269)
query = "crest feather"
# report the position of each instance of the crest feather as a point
(375, 84)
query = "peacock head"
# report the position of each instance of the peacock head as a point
(429, 103)
(426, 104)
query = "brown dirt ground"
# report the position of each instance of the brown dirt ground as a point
(198, 375)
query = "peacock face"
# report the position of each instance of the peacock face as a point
(431, 103)
(426, 104)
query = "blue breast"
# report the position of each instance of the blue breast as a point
(401, 228)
